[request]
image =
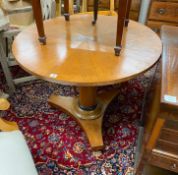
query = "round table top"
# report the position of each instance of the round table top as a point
(80, 54)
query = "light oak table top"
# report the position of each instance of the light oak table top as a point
(80, 54)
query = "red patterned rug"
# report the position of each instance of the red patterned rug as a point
(58, 144)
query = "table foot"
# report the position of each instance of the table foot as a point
(8, 126)
(67, 16)
(117, 50)
(126, 22)
(42, 40)
(90, 121)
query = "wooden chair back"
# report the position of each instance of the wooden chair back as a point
(48, 8)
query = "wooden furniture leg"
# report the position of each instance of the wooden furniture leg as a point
(5, 66)
(84, 6)
(39, 20)
(66, 10)
(122, 9)
(112, 5)
(7, 125)
(88, 110)
(129, 2)
(95, 10)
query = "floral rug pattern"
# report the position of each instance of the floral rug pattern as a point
(58, 144)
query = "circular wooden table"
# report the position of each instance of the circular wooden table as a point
(82, 55)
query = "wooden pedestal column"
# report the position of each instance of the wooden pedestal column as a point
(87, 98)
(88, 110)
(95, 11)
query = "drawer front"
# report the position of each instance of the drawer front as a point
(103, 5)
(164, 11)
(156, 25)
(164, 162)
(135, 4)
(133, 15)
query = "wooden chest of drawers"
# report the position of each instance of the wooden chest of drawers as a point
(163, 142)
(105, 5)
(165, 153)
(163, 12)
(135, 8)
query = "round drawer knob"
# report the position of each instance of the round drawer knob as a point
(161, 11)
(173, 166)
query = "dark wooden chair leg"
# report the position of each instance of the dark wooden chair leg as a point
(66, 10)
(95, 11)
(128, 12)
(39, 20)
(122, 9)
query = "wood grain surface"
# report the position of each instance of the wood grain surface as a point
(169, 90)
(78, 53)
